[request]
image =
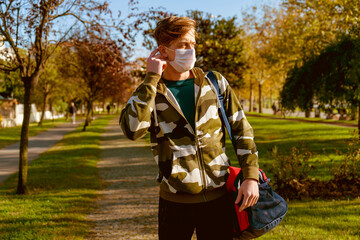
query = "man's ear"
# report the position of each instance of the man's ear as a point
(162, 51)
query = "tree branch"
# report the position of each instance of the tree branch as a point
(28, 64)
(5, 32)
(60, 41)
(17, 27)
(4, 68)
(39, 54)
(65, 13)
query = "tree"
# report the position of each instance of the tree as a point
(29, 28)
(11, 85)
(220, 46)
(298, 30)
(262, 67)
(98, 69)
(53, 89)
(49, 83)
(302, 29)
(258, 67)
(332, 78)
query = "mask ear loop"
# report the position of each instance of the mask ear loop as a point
(169, 48)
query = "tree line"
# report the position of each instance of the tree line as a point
(269, 54)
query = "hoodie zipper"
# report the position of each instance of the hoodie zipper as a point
(201, 162)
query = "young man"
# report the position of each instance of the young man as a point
(178, 105)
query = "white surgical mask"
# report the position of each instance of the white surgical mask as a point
(184, 59)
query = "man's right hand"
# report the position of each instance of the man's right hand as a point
(156, 63)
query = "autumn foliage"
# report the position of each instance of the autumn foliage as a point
(97, 67)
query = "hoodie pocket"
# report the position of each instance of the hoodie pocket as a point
(216, 164)
(186, 175)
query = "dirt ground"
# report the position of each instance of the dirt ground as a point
(128, 204)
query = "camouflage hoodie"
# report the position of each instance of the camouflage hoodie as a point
(192, 162)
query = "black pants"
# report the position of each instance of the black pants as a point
(212, 220)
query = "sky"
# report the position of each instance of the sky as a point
(225, 8)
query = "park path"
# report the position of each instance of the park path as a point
(128, 203)
(9, 155)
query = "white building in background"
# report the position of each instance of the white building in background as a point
(13, 115)
(6, 54)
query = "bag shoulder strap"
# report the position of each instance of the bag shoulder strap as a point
(215, 83)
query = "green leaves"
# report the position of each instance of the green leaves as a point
(220, 46)
(331, 77)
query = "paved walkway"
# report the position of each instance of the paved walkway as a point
(128, 204)
(9, 156)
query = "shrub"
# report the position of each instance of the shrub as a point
(349, 169)
(289, 170)
(291, 174)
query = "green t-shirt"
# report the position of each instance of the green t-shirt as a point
(183, 91)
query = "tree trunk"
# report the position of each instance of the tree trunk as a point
(264, 102)
(117, 107)
(260, 100)
(51, 110)
(24, 141)
(92, 112)
(251, 107)
(307, 113)
(88, 113)
(43, 109)
(82, 108)
(353, 110)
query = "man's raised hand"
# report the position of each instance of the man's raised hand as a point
(155, 62)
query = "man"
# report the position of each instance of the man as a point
(108, 108)
(72, 111)
(177, 104)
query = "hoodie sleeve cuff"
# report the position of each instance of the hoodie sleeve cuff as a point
(152, 78)
(251, 172)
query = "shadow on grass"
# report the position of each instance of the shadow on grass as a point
(30, 228)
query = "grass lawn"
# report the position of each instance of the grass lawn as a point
(305, 119)
(319, 220)
(284, 134)
(12, 135)
(62, 183)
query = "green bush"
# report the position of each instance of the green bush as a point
(289, 167)
(349, 168)
(291, 174)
